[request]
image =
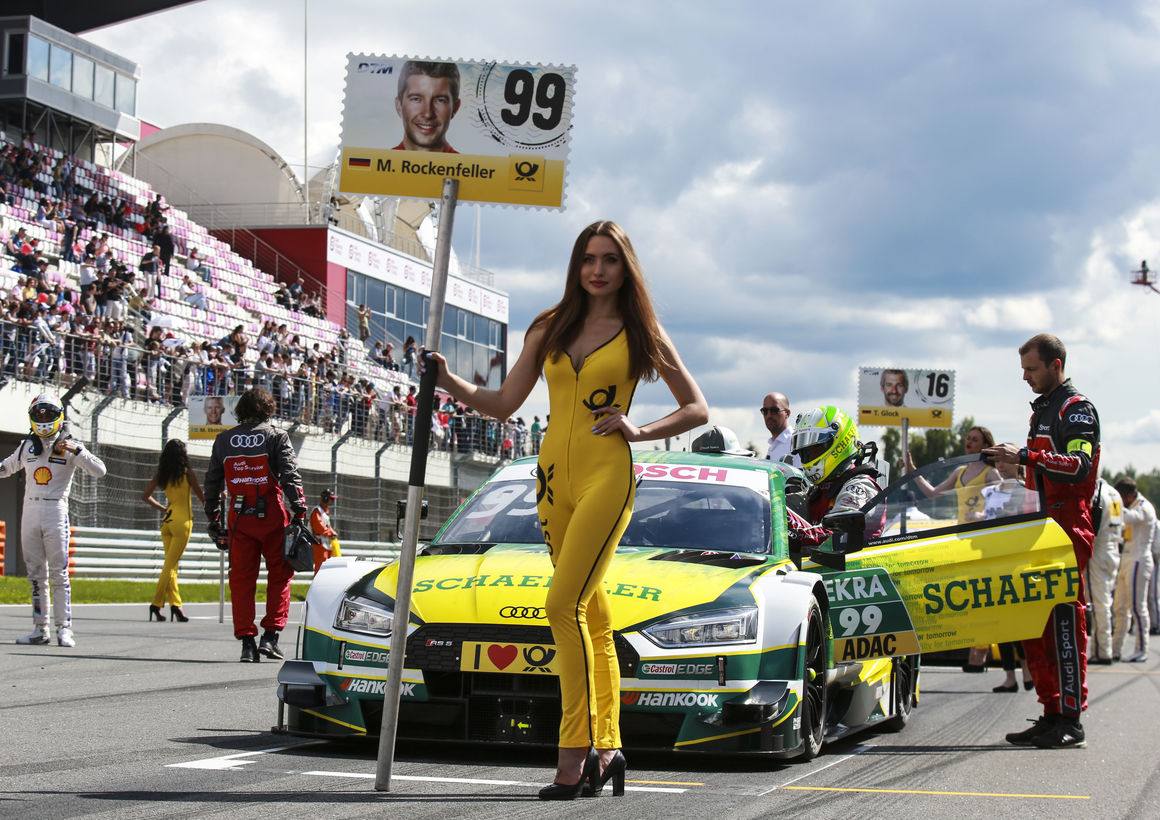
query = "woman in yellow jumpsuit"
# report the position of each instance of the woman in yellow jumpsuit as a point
(967, 482)
(176, 480)
(592, 347)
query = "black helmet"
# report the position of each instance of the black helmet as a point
(328, 496)
(719, 440)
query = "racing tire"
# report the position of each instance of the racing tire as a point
(904, 683)
(813, 704)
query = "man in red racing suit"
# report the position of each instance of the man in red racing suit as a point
(1062, 453)
(256, 467)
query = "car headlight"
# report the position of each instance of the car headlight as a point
(721, 626)
(365, 616)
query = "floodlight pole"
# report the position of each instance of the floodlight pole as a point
(420, 440)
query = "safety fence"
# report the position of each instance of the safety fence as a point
(137, 555)
(172, 374)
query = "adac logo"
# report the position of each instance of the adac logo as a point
(42, 475)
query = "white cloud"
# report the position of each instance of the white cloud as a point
(810, 188)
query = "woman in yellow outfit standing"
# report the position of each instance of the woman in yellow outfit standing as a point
(176, 480)
(592, 347)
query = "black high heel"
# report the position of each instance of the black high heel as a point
(570, 791)
(614, 771)
(175, 613)
(155, 613)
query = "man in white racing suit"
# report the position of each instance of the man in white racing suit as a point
(1131, 602)
(1100, 573)
(48, 457)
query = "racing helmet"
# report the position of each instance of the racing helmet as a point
(46, 414)
(719, 440)
(824, 438)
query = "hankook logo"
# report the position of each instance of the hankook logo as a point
(537, 613)
(255, 440)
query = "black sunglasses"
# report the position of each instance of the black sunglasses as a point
(765, 411)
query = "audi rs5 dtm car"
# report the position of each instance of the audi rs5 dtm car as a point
(727, 641)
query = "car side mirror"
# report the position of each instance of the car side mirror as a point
(849, 528)
(849, 535)
(401, 513)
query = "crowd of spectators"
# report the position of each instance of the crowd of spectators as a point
(107, 326)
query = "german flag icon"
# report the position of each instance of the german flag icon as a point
(358, 162)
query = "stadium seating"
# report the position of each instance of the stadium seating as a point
(237, 293)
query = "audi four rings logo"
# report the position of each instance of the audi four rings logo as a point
(533, 612)
(1080, 417)
(247, 441)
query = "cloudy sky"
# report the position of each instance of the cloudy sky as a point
(811, 186)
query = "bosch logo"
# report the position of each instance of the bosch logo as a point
(255, 440)
(1081, 418)
(537, 613)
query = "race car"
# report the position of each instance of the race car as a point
(728, 641)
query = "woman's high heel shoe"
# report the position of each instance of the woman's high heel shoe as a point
(566, 791)
(175, 613)
(614, 771)
(155, 613)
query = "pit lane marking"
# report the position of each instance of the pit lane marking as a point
(476, 781)
(234, 762)
(857, 751)
(938, 793)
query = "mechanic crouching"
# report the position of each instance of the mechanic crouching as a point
(255, 467)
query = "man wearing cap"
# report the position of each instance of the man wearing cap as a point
(320, 526)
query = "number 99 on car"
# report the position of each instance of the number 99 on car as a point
(855, 620)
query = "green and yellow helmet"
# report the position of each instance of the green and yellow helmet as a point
(824, 438)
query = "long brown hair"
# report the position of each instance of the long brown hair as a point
(562, 322)
(173, 465)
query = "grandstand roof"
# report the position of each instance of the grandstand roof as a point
(77, 16)
(220, 175)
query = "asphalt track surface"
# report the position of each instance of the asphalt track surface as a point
(147, 720)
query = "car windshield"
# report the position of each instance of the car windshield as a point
(679, 514)
(954, 493)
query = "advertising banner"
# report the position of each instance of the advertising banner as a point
(887, 395)
(502, 131)
(209, 415)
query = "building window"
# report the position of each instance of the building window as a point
(37, 58)
(15, 64)
(126, 90)
(60, 67)
(82, 78)
(103, 86)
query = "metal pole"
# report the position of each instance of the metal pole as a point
(379, 488)
(305, 108)
(221, 587)
(904, 443)
(422, 437)
(177, 411)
